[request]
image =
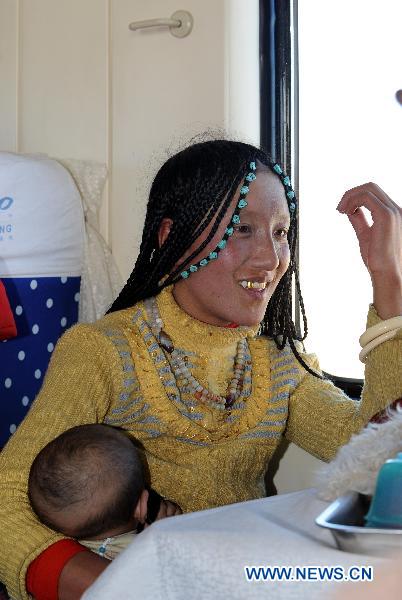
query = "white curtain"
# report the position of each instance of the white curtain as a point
(100, 278)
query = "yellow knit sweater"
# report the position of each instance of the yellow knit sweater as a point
(114, 372)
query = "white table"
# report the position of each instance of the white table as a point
(201, 556)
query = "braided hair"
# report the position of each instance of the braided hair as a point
(192, 188)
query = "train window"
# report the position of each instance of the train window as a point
(350, 131)
(331, 112)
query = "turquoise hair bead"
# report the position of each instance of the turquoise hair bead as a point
(213, 255)
(203, 262)
(193, 268)
(286, 181)
(277, 169)
(185, 274)
(252, 166)
(292, 206)
(236, 219)
(222, 244)
(242, 203)
(290, 194)
(251, 177)
(245, 189)
(229, 231)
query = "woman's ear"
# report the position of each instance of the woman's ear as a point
(164, 230)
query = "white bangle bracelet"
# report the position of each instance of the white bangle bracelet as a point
(372, 332)
(376, 342)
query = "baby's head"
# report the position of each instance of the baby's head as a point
(89, 483)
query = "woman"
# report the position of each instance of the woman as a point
(184, 371)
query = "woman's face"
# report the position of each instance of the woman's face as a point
(258, 252)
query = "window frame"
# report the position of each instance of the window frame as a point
(279, 110)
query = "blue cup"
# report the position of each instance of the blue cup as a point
(386, 505)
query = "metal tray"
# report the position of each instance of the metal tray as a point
(345, 519)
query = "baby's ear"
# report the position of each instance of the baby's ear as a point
(140, 511)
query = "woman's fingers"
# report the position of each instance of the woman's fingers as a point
(172, 509)
(380, 243)
(372, 197)
(384, 235)
(362, 230)
(365, 195)
(168, 509)
(359, 222)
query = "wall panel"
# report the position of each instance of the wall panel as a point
(8, 74)
(63, 78)
(78, 83)
(164, 90)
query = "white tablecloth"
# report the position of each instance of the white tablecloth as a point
(201, 556)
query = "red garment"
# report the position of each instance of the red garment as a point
(43, 573)
(383, 415)
(7, 323)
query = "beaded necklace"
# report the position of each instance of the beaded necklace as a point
(182, 372)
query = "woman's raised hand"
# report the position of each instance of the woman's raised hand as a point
(380, 243)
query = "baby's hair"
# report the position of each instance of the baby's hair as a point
(91, 468)
(192, 188)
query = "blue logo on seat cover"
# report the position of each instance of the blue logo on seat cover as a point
(5, 202)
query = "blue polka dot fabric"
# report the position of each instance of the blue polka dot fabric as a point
(43, 308)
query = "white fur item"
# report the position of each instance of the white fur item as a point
(356, 465)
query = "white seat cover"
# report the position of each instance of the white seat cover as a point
(41, 218)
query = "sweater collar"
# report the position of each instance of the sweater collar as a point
(183, 327)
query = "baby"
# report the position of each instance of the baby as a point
(89, 484)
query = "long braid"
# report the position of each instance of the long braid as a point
(278, 320)
(192, 188)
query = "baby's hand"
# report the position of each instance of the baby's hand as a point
(159, 508)
(168, 509)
